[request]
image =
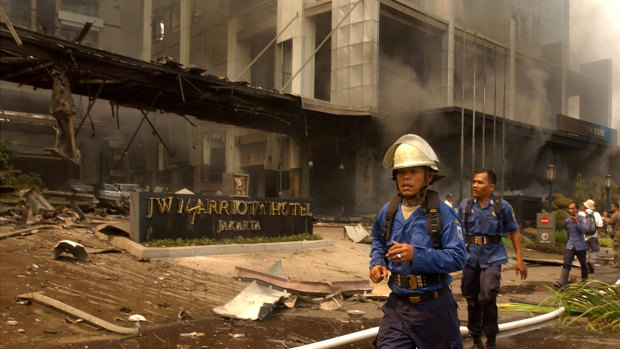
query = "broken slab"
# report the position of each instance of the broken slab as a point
(77, 250)
(357, 233)
(546, 261)
(37, 202)
(254, 302)
(302, 287)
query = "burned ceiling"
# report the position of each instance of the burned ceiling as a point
(166, 86)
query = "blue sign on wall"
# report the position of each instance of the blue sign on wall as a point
(585, 128)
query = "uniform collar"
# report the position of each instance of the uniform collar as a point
(491, 201)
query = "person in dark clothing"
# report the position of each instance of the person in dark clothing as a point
(486, 219)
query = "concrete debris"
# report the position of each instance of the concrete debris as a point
(77, 250)
(37, 202)
(136, 318)
(254, 302)
(355, 315)
(192, 334)
(290, 302)
(184, 315)
(357, 233)
(333, 303)
(303, 287)
(63, 109)
(276, 270)
(78, 313)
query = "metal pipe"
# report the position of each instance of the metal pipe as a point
(484, 100)
(494, 103)
(372, 332)
(473, 117)
(266, 47)
(462, 121)
(504, 123)
(320, 45)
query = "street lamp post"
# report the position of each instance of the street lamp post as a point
(550, 179)
(607, 187)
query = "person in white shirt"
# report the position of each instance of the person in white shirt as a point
(592, 244)
(448, 201)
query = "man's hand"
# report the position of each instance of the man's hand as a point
(515, 236)
(378, 273)
(400, 252)
(520, 268)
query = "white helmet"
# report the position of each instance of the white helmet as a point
(408, 151)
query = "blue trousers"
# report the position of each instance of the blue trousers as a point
(480, 288)
(431, 324)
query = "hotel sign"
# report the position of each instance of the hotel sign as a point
(157, 216)
(585, 128)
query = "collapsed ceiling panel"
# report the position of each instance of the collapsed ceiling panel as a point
(164, 85)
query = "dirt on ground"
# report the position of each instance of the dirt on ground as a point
(177, 296)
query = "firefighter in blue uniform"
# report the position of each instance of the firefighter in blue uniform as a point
(485, 254)
(420, 311)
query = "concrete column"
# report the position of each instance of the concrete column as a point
(33, 14)
(355, 53)
(302, 33)
(184, 32)
(447, 57)
(239, 54)
(147, 29)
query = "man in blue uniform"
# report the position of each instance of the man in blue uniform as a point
(486, 219)
(576, 244)
(420, 311)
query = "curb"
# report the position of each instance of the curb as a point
(143, 253)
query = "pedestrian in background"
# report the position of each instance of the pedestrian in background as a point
(448, 201)
(486, 219)
(421, 310)
(575, 245)
(592, 244)
(614, 222)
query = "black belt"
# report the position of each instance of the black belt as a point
(417, 281)
(483, 240)
(427, 296)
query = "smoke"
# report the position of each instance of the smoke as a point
(594, 30)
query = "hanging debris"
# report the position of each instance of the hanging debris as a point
(63, 109)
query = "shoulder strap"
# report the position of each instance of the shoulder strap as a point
(433, 223)
(467, 212)
(389, 217)
(497, 207)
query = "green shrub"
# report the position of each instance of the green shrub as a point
(560, 219)
(561, 237)
(605, 242)
(237, 240)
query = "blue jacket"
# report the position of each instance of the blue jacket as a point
(426, 260)
(482, 221)
(575, 233)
